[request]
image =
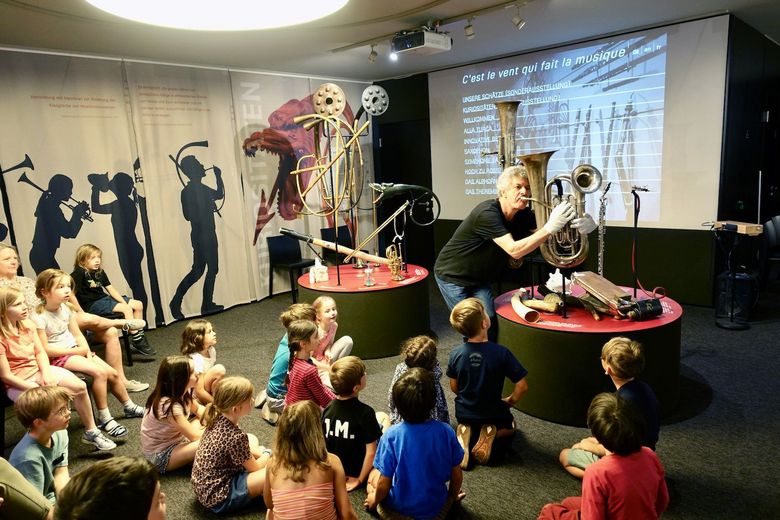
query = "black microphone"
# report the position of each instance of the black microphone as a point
(296, 235)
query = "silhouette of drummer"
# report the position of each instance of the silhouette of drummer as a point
(51, 226)
(124, 217)
(198, 203)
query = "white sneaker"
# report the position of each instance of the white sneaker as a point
(269, 416)
(135, 386)
(133, 325)
(98, 440)
(260, 399)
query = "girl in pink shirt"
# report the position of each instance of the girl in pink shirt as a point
(170, 431)
(328, 349)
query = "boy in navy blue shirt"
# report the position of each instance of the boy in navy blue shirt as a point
(477, 370)
(622, 359)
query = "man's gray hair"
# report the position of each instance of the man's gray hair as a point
(503, 180)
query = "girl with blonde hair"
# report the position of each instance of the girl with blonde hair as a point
(24, 364)
(303, 479)
(66, 347)
(229, 467)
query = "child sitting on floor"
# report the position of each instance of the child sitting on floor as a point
(197, 342)
(229, 467)
(42, 454)
(271, 400)
(169, 437)
(420, 351)
(351, 427)
(328, 349)
(477, 370)
(303, 480)
(627, 483)
(119, 488)
(622, 360)
(417, 457)
(302, 381)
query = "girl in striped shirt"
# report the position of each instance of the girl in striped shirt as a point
(303, 382)
(303, 480)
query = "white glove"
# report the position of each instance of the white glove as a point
(584, 225)
(559, 216)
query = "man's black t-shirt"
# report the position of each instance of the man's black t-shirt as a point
(471, 257)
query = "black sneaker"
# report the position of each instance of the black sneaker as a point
(141, 346)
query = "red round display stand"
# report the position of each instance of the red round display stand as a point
(563, 355)
(378, 318)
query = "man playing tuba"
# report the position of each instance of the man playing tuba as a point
(494, 231)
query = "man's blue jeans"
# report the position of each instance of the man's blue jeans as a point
(453, 294)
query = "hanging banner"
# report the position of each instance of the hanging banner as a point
(67, 161)
(182, 120)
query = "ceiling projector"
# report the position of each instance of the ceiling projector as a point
(421, 41)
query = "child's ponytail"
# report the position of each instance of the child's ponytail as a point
(297, 331)
(229, 392)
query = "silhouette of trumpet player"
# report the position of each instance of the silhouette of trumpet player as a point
(198, 204)
(124, 218)
(51, 226)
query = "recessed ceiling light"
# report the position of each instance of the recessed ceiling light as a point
(224, 15)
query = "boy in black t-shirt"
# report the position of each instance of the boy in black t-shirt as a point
(477, 370)
(352, 428)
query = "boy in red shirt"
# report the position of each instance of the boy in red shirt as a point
(628, 482)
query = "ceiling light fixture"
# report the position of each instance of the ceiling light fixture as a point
(469, 30)
(518, 20)
(372, 55)
(225, 15)
(393, 56)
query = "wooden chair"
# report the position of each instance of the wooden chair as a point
(285, 253)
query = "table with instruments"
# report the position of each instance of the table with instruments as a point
(379, 317)
(563, 355)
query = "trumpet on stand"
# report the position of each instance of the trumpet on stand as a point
(87, 212)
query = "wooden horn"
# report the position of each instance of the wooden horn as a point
(527, 313)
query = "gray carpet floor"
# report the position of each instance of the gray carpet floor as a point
(715, 447)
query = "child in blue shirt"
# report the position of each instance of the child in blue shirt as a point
(271, 400)
(477, 370)
(42, 454)
(417, 457)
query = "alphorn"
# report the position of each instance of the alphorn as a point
(527, 313)
(333, 247)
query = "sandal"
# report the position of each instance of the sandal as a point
(113, 428)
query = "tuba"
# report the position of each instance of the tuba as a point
(566, 248)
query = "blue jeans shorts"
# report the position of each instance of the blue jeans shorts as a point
(238, 497)
(105, 305)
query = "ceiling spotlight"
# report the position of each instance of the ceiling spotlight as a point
(226, 15)
(518, 20)
(372, 55)
(393, 56)
(469, 30)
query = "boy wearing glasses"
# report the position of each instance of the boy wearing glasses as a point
(42, 454)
